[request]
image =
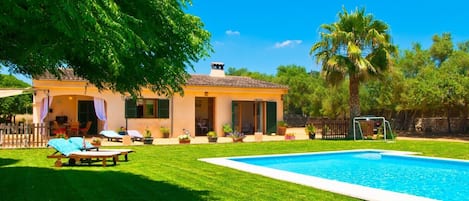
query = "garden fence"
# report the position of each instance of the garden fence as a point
(23, 135)
(331, 129)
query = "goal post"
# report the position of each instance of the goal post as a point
(368, 127)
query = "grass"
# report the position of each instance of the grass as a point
(172, 172)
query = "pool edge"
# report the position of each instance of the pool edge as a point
(352, 190)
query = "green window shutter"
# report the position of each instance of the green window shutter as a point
(163, 108)
(130, 108)
(271, 117)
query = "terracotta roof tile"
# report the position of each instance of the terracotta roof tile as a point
(194, 80)
(68, 75)
(230, 81)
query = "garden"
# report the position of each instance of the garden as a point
(173, 172)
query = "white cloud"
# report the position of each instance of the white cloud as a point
(288, 43)
(232, 33)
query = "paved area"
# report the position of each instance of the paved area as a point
(299, 135)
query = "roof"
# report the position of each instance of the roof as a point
(231, 81)
(194, 80)
(67, 76)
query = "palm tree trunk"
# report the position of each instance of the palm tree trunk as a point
(354, 101)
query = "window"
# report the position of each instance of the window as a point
(147, 108)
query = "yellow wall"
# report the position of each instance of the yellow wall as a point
(182, 109)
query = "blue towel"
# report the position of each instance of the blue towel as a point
(78, 142)
(63, 146)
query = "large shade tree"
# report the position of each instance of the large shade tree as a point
(356, 47)
(117, 45)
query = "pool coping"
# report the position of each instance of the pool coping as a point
(352, 190)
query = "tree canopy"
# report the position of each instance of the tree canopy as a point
(117, 45)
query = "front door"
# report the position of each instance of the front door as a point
(204, 110)
(87, 113)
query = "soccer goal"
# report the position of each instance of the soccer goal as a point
(371, 127)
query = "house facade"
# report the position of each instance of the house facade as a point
(209, 102)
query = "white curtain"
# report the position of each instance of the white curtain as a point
(46, 103)
(100, 111)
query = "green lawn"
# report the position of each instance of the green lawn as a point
(172, 172)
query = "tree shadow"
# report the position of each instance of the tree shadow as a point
(7, 161)
(30, 183)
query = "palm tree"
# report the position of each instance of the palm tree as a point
(356, 46)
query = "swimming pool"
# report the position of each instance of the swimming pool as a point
(365, 174)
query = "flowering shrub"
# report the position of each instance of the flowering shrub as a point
(147, 133)
(237, 135)
(61, 135)
(289, 136)
(185, 136)
(96, 140)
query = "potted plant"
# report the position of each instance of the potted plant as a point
(121, 131)
(281, 128)
(147, 137)
(95, 141)
(289, 136)
(227, 129)
(61, 134)
(185, 138)
(237, 136)
(212, 136)
(310, 130)
(164, 131)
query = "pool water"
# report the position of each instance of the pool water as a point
(421, 176)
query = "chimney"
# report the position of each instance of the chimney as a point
(217, 69)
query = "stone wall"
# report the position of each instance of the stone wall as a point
(437, 125)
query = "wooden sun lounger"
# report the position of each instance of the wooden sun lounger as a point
(89, 155)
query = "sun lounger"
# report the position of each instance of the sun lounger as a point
(66, 149)
(78, 142)
(135, 135)
(111, 135)
(123, 152)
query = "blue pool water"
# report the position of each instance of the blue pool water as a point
(427, 177)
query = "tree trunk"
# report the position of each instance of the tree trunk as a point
(354, 101)
(463, 125)
(448, 113)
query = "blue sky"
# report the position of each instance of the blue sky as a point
(263, 34)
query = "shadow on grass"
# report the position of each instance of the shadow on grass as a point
(7, 161)
(29, 183)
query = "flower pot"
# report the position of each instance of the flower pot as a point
(289, 137)
(148, 140)
(185, 141)
(312, 136)
(212, 139)
(237, 139)
(96, 144)
(165, 135)
(281, 130)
